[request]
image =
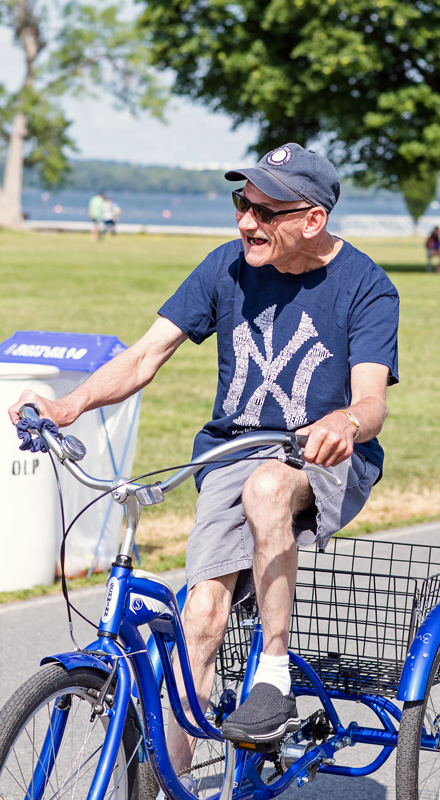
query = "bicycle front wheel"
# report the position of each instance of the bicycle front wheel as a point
(417, 769)
(50, 741)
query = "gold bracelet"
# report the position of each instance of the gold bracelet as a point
(351, 418)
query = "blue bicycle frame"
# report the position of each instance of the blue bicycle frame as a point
(123, 612)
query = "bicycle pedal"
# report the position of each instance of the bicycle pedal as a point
(260, 747)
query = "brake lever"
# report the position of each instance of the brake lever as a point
(295, 458)
(325, 472)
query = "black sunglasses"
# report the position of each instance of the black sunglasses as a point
(261, 213)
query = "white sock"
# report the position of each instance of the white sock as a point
(274, 670)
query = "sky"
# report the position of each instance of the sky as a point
(193, 136)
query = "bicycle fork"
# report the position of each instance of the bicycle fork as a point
(117, 718)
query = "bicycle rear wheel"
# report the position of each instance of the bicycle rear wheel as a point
(418, 770)
(50, 743)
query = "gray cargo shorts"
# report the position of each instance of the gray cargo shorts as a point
(221, 541)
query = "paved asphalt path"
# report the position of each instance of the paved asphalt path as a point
(32, 629)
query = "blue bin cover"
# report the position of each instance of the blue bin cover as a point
(84, 352)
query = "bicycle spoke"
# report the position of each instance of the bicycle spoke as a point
(55, 757)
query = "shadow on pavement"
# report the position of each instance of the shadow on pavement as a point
(338, 787)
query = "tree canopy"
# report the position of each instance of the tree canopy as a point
(362, 76)
(73, 48)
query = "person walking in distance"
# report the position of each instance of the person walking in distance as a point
(109, 218)
(96, 205)
(432, 245)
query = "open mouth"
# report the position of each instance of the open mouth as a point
(254, 240)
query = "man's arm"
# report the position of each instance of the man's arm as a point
(115, 381)
(331, 438)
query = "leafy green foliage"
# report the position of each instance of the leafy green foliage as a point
(81, 48)
(93, 47)
(363, 73)
(418, 193)
(47, 138)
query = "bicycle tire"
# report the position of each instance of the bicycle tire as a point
(210, 778)
(28, 720)
(417, 770)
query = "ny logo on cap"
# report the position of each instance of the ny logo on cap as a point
(279, 157)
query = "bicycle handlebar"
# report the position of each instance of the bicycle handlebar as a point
(69, 450)
(242, 442)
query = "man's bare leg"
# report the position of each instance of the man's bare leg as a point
(205, 619)
(272, 496)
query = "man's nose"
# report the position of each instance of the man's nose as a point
(247, 221)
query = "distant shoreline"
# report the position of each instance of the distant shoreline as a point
(91, 175)
(112, 176)
(210, 210)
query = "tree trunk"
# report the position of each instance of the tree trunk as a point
(10, 194)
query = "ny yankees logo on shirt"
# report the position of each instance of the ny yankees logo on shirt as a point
(293, 407)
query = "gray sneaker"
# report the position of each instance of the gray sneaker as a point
(265, 716)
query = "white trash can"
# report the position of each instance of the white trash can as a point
(28, 489)
(109, 434)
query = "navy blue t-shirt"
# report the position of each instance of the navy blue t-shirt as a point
(286, 343)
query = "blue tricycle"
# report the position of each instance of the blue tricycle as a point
(91, 724)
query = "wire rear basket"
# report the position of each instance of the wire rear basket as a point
(356, 609)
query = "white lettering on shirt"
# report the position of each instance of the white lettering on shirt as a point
(293, 408)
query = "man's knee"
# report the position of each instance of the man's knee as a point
(278, 487)
(206, 612)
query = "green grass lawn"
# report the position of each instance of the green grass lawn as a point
(64, 282)
(411, 434)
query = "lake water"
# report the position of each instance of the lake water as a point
(186, 209)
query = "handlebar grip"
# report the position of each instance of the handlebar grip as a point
(27, 409)
(301, 440)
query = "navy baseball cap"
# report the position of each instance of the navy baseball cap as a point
(292, 173)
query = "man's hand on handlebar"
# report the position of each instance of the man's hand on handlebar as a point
(54, 410)
(330, 440)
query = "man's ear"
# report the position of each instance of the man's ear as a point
(314, 222)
